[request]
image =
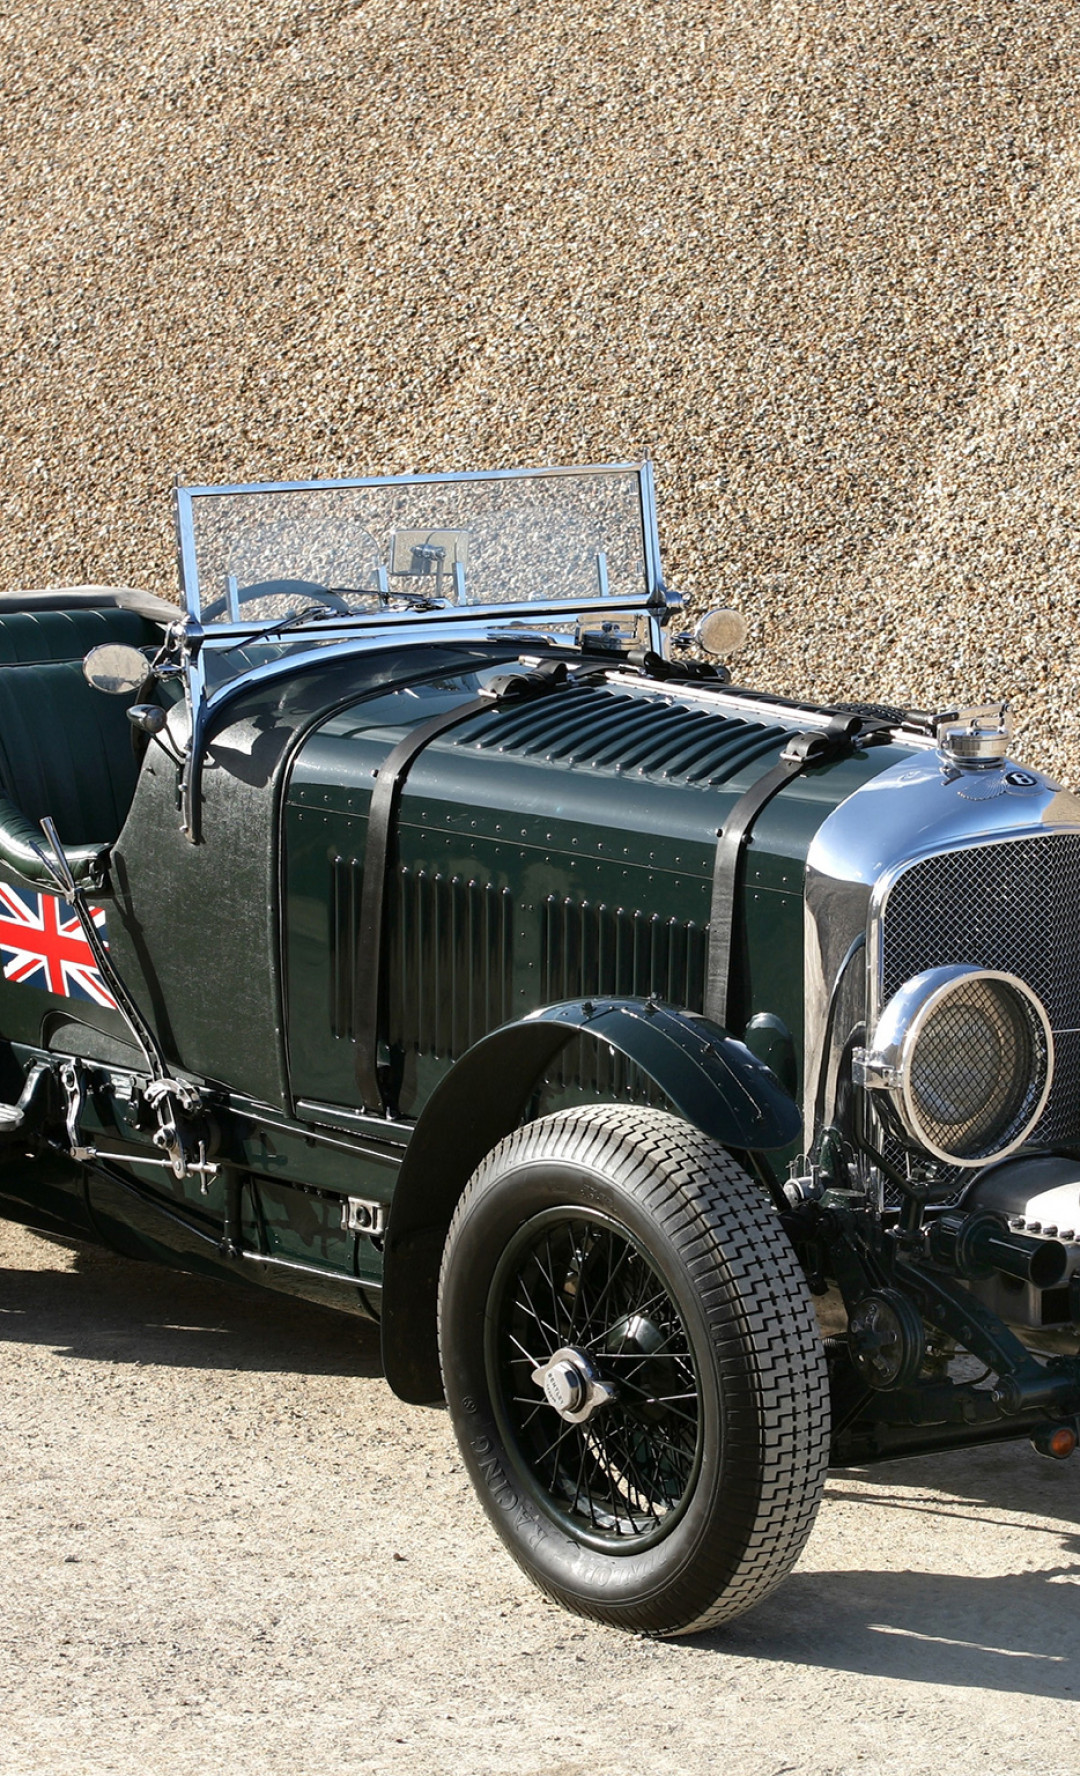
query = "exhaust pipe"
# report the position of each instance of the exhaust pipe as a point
(977, 1245)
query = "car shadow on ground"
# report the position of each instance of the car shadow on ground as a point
(1012, 1632)
(114, 1310)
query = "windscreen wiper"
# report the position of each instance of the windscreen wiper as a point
(311, 613)
(420, 601)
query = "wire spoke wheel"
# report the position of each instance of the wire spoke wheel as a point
(633, 1369)
(581, 1285)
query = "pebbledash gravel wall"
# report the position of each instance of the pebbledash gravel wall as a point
(818, 257)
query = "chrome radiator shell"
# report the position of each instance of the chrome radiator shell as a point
(926, 865)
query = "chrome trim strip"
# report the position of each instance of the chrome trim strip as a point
(424, 480)
(326, 1276)
(767, 710)
(683, 691)
(214, 634)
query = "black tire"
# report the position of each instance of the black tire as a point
(629, 1240)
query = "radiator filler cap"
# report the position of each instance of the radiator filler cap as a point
(976, 738)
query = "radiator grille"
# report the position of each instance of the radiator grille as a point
(1013, 906)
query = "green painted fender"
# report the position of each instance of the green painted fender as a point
(706, 1075)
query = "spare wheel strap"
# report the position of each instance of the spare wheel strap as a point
(816, 747)
(369, 944)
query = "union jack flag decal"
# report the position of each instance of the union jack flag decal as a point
(42, 945)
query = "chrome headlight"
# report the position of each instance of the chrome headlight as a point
(964, 1059)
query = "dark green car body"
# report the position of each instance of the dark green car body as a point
(526, 875)
(546, 929)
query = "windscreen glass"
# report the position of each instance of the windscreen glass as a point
(267, 554)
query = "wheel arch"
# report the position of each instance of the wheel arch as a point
(707, 1076)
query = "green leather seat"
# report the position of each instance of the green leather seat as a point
(65, 748)
(28, 637)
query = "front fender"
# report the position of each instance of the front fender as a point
(706, 1075)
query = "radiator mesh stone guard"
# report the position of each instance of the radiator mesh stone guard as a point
(1015, 906)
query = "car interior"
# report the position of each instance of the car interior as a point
(65, 748)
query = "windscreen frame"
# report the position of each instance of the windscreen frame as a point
(652, 596)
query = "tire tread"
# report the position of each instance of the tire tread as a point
(754, 1296)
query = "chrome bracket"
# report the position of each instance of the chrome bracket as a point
(872, 1073)
(185, 1095)
(359, 1215)
(74, 1088)
(165, 1097)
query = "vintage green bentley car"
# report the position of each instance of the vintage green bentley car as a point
(686, 1079)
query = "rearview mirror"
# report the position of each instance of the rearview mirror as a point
(115, 668)
(722, 632)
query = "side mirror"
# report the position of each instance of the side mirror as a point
(115, 668)
(722, 632)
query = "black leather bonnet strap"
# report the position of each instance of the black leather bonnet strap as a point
(509, 688)
(369, 945)
(815, 747)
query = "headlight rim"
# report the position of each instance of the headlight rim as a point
(888, 1058)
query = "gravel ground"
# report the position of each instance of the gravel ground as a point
(226, 1545)
(820, 259)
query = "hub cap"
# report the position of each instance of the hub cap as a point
(569, 1382)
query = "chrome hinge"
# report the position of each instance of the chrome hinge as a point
(358, 1215)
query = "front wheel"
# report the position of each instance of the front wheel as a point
(633, 1369)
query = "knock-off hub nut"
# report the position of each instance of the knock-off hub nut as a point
(569, 1382)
